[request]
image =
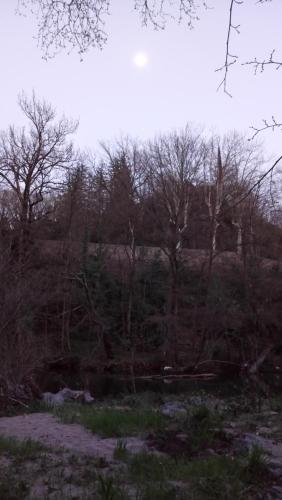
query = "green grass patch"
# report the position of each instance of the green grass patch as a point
(154, 491)
(120, 451)
(109, 422)
(20, 449)
(203, 426)
(217, 477)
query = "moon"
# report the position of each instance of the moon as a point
(140, 59)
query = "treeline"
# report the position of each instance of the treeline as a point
(179, 191)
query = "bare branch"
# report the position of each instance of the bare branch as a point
(257, 184)
(230, 58)
(80, 24)
(158, 12)
(272, 125)
(69, 24)
(259, 66)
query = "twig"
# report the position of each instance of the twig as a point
(267, 125)
(260, 65)
(230, 59)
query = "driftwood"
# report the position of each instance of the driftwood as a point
(178, 377)
(18, 402)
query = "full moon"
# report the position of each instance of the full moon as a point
(140, 59)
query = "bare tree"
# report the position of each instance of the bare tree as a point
(174, 163)
(32, 160)
(213, 190)
(232, 167)
(242, 165)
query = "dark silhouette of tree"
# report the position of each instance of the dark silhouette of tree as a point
(31, 161)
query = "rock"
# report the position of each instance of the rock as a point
(247, 441)
(67, 395)
(181, 436)
(276, 471)
(87, 397)
(271, 448)
(173, 409)
(255, 440)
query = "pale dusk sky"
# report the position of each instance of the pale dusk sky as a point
(111, 96)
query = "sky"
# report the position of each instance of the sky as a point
(111, 96)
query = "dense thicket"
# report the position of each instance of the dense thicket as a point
(160, 249)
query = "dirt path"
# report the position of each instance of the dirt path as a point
(46, 429)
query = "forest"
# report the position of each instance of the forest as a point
(141, 276)
(152, 253)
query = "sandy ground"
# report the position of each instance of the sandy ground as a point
(48, 430)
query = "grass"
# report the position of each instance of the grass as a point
(20, 449)
(158, 492)
(11, 489)
(256, 463)
(109, 422)
(195, 474)
(108, 489)
(203, 425)
(217, 477)
(121, 452)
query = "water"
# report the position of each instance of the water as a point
(102, 386)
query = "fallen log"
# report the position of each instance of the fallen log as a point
(176, 377)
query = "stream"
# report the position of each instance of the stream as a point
(102, 386)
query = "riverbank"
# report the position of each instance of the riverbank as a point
(145, 447)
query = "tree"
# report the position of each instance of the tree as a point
(124, 183)
(214, 197)
(174, 163)
(31, 161)
(232, 167)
